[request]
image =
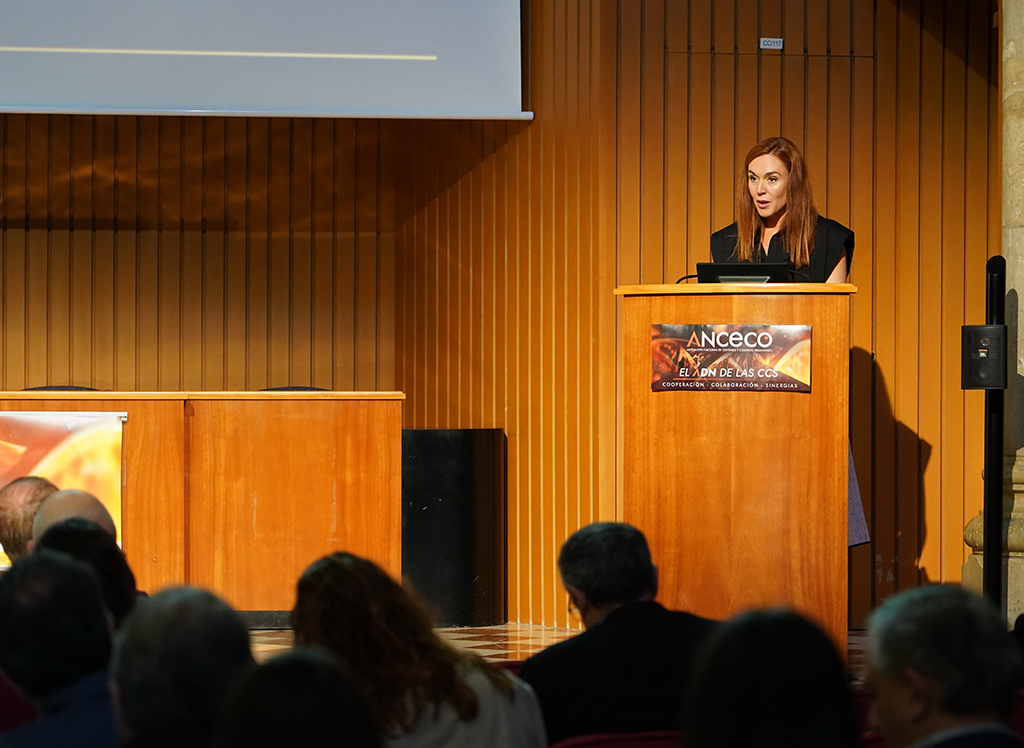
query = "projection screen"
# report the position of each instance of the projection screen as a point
(457, 59)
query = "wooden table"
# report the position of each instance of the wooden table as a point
(239, 491)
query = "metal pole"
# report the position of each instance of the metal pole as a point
(992, 572)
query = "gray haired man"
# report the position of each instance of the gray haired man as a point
(942, 669)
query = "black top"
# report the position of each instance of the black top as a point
(626, 674)
(831, 239)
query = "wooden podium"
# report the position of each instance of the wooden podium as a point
(741, 494)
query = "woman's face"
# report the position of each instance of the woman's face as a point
(768, 182)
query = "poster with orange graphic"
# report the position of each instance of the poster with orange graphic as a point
(731, 357)
(70, 449)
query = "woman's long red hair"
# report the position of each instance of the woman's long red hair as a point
(801, 215)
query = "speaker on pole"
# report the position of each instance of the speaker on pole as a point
(983, 367)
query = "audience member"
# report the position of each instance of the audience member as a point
(175, 659)
(773, 679)
(627, 672)
(305, 698)
(421, 691)
(92, 545)
(70, 503)
(943, 670)
(19, 501)
(55, 645)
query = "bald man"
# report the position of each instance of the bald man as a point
(71, 503)
(19, 501)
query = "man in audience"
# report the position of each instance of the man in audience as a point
(175, 659)
(92, 545)
(627, 672)
(54, 646)
(942, 669)
(70, 503)
(19, 501)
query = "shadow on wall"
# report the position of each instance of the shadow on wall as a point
(434, 155)
(890, 459)
(169, 173)
(951, 25)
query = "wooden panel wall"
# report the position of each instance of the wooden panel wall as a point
(645, 110)
(472, 264)
(505, 291)
(168, 253)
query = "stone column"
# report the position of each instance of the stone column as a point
(1012, 23)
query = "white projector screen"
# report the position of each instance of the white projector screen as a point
(455, 59)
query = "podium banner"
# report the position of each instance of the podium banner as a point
(731, 357)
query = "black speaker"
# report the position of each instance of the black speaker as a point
(453, 522)
(983, 357)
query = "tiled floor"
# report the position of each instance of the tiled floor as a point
(511, 641)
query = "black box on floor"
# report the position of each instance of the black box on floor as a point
(453, 522)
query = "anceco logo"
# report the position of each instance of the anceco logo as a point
(726, 339)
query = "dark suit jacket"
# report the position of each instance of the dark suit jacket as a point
(625, 674)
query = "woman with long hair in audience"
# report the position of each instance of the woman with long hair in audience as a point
(769, 678)
(422, 692)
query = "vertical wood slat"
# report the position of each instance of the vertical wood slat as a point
(15, 222)
(678, 261)
(125, 240)
(724, 29)
(954, 275)
(257, 253)
(884, 525)
(630, 106)
(235, 255)
(747, 17)
(677, 26)
(172, 303)
(652, 144)
(697, 186)
(907, 320)
(191, 257)
(62, 328)
(931, 299)
(102, 202)
(723, 139)
(213, 235)
(770, 12)
(542, 402)
(700, 27)
(794, 27)
(37, 252)
(862, 368)
(562, 345)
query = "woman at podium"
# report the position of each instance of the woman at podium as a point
(777, 221)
